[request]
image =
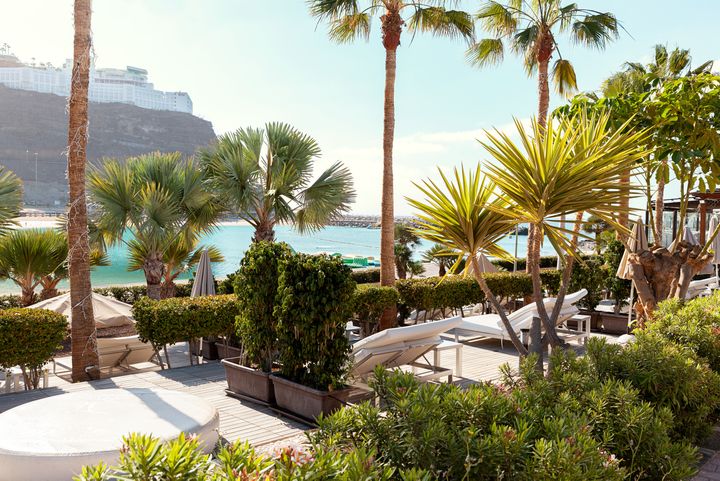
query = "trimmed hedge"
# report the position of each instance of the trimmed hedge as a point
(184, 318)
(546, 262)
(366, 276)
(455, 292)
(29, 338)
(368, 304)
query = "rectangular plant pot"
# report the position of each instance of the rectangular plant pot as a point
(248, 382)
(614, 323)
(209, 350)
(307, 402)
(226, 352)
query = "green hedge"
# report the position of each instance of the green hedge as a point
(184, 318)
(546, 262)
(29, 338)
(368, 304)
(454, 292)
(366, 276)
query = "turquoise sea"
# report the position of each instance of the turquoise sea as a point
(232, 240)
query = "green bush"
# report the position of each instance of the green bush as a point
(619, 289)
(184, 318)
(546, 262)
(455, 292)
(256, 287)
(366, 276)
(667, 375)
(30, 337)
(315, 303)
(570, 425)
(368, 304)
(144, 458)
(9, 301)
(694, 324)
(590, 274)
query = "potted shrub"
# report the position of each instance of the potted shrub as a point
(315, 296)
(256, 287)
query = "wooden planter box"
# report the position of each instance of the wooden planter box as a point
(248, 382)
(209, 350)
(307, 402)
(225, 352)
(614, 323)
(595, 320)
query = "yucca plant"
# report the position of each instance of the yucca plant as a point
(464, 214)
(560, 171)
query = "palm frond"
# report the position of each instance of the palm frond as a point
(327, 198)
(332, 8)
(498, 19)
(487, 51)
(442, 22)
(350, 27)
(11, 193)
(563, 75)
(595, 30)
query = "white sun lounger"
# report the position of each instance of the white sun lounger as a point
(696, 288)
(491, 326)
(401, 346)
(121, 352)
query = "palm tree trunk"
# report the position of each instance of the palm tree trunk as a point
(391, 30)
(154, 269)
(83, 332)
(543, 83)
(534, 265)
(264, 232)
(659, 206)
(27, 296)
(168, 290)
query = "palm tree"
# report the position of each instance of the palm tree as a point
(562, 170)
(179, 257)
(441, 256)
(156, 198)
(32, 258)
(531, 29)
(58, 255)
(406, 240)
(350, 20)
(264, 176)
(84, 349)
(11, 194)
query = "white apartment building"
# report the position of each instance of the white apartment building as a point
(129, 86)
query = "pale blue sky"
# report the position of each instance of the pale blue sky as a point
(247, 62)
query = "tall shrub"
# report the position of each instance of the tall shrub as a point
(315, 302)
(29, 338)
(256, 286)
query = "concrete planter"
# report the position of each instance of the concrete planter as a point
(307, 402)
(225, 352)
(209, 350)
(248, 382)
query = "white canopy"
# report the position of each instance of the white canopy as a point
(108, 311)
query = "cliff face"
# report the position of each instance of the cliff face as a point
(35, 122)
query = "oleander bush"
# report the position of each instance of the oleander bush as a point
(29, 338)
(184, 318)
(368, 304)
(315, 296)
(256, 288)
(145, 458)
(694, 324)
(570, 425)
(667, 375)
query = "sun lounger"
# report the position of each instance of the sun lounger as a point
(121, 352)
(696, 288)
(402, 346)
(491, 326)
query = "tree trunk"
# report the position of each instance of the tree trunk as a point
(535, 343)
(84, 348)
(264, 232)
(534, 265)
(154, 269)
(27, 296)
(391, 29)
(496, 305)
(168, 290)
(543, 59)
(48, 293)
(441, 270)
(659, 206)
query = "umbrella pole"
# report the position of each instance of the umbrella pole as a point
(630, 309)
(516, 247)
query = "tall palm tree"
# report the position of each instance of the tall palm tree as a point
(179, 257)
(264, 176)
(350, 20)
(531, 29)
(84, 349)
(156, 199)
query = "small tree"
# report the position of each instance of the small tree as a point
(405, 243)
(256, 286)
(441, 256)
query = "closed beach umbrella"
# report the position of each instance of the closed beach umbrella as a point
(108, 311)
(203, 285)
(485, 264)
(637, 242)
(689, 237)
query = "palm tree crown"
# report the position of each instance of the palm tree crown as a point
(265, 176)
(530, 28)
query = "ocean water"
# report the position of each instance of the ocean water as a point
(233, 240)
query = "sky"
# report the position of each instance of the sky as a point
(248, 62)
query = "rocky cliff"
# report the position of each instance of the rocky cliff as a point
(33, 122)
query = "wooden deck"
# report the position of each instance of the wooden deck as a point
(243, 419)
